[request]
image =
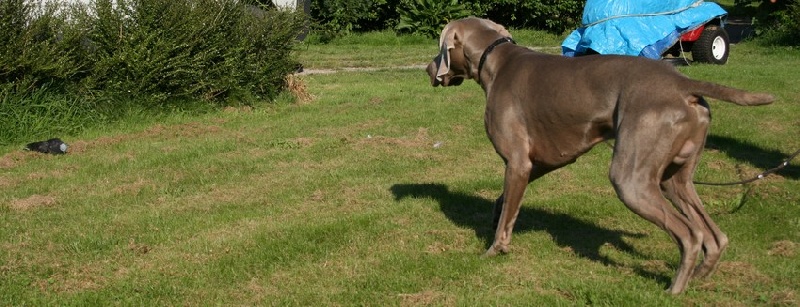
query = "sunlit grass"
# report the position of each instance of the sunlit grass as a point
(379, 192)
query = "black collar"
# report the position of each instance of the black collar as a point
(489, 49)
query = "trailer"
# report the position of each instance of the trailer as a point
(651, 28)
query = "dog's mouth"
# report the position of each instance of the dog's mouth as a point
(447, 81)
(454, 81)
(443, 80)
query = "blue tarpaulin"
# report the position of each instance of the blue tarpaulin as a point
(637, 27)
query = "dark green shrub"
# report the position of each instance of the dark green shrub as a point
(75, 62)
(775, 23)
(337, 17)
(555, 16)
(37, 47)
(428, 17)
(205, 49)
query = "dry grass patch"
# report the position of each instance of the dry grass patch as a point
(783, 248)
(447, 240)
(7, 182)
(427, 298)
(155, 132)
(14, 158)
(135, 187)
(297, 86)
(86, 278)
(784, 298)
(33, 202)
(735, 277)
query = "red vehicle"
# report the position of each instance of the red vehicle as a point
(652, 29)
(708, 43)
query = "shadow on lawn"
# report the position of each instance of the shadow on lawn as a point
(582, 237)
(758, 157)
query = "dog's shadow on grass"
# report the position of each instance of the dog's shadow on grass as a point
(581, 237)
(760, 158)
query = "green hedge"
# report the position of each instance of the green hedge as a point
(336, 17)
(777, 23)
(555, 16)
(153, 52)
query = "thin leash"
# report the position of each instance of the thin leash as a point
(759, 176)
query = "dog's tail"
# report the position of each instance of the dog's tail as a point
(737, 96)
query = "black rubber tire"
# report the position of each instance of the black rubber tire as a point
(713, 46)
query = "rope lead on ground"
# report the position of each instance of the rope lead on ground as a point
(760, 176)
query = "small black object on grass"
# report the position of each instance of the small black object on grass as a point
(51, 146)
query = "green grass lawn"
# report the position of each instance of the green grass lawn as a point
(379, 192)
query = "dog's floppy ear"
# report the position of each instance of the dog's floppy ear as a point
(446, 42)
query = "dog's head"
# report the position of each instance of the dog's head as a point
(460, 47)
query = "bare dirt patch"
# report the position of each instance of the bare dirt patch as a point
(6, 182)
(12, 159)
(32, 202)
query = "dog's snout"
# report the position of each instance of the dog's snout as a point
(432, 69)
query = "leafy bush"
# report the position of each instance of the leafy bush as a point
(337, 17)
(160, 53)
(428, 17)
(203, 49)
(36, 46)
(776, 22)
(555, 16)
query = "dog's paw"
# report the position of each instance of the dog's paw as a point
(495, 250)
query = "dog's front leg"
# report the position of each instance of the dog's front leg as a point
(516, 180)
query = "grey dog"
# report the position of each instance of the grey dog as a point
(544, 111)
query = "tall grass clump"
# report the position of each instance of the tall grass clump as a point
(114, 55)
(43, 113)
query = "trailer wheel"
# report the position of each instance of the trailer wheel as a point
(712, 47)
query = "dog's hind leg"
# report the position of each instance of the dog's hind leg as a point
(680, 190)
(640, 154)
(712, 247)
(678, 187)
